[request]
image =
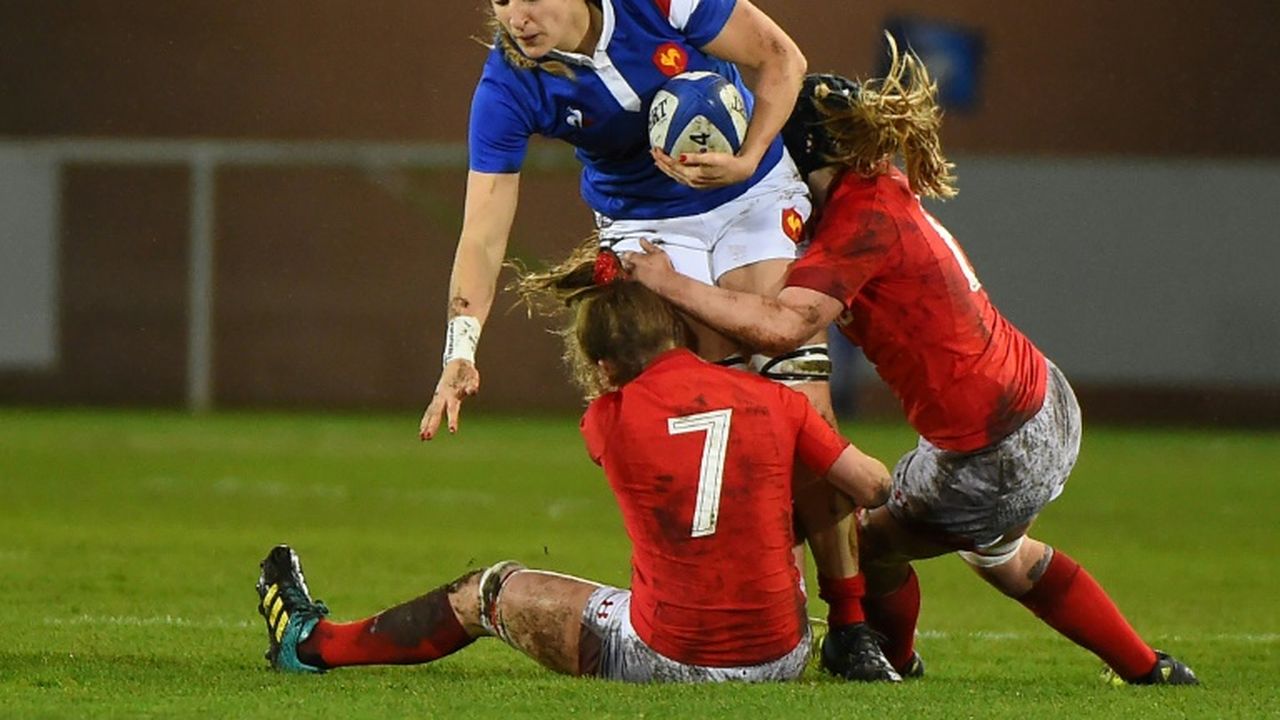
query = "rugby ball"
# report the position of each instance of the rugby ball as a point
(697, 112)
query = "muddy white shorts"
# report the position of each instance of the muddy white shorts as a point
(764, 223)
(974, 499)
(624, 656)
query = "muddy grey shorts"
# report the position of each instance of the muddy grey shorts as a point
(972, 499)
(624, 656)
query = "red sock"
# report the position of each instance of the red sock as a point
(844, 599)
(418, 631)
(1074, 604)
(894, 616)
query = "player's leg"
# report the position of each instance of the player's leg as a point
(1067, 598)
(301, 639)
(1034, 464)
(886, 548)
(756, 246)
(541, 614)
(826, 521)
(581, 628)
(418, 631)
(536, 612)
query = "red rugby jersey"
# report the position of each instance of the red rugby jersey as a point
(700, 458)
(965, 375)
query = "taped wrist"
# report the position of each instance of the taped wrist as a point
(461, 338)
(807, 363)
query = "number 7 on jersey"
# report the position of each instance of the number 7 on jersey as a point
(711, 472)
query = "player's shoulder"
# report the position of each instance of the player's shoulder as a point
(854, 188)
(601, 407)
(499, 72)
(598, 423)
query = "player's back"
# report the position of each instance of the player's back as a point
(965, 375)
(700, 458)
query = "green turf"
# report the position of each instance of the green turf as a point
(129, 545)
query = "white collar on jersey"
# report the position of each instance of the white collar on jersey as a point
(608, 23)
(603, 64)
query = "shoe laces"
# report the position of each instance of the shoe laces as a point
(297, 600)
(868, 641)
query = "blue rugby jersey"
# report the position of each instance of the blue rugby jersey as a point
(603, 110)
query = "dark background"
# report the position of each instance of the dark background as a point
(330, 282)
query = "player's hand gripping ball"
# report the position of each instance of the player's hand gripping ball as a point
(697, 112)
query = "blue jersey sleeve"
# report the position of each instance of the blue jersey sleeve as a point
(498, 133)
(707, 19)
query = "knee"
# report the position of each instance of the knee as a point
(489, 587)
(885, 569)
(1015, 570)
(806, 364)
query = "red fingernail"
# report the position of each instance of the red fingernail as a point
(683, 157)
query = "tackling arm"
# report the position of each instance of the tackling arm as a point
(767, 324)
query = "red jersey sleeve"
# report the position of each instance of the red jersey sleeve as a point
(849, 247)
(817, 445)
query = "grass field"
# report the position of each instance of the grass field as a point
(129, 545)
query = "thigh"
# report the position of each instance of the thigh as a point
(541, 615)
(886, 540)
(886, 547)
(760, 233)
(976, 500)
(682, 239)
(764, 224)
(625, 656)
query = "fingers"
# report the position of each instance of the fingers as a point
(442, 408)
(667, 166)
(454, 410)
(630, 259)
(430, 419)
(460, 380)
(701, 160)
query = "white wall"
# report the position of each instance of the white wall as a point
(1134, 271)
(1124, 271)
(28, 261)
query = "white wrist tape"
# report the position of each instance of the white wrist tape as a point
(461, 338)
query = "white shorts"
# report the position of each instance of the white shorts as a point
(973, 500)
(624, 656)
(763, 223)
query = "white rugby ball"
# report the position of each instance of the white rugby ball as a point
(697, 112)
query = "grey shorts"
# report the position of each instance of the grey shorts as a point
(624, 656)
(970, 500)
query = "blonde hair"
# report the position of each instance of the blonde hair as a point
(894, 115)
(621, 322)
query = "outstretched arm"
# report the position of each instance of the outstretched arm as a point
(487, 218)
(767, 324)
